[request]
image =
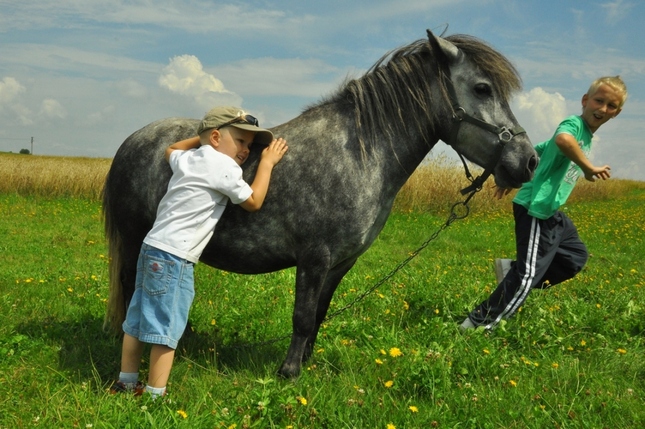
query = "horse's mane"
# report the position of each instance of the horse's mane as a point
(397, 85)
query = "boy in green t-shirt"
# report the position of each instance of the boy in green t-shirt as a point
(549, 250)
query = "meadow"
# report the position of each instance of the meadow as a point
(573, 357)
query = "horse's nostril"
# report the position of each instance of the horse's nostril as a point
(531, 166)
(533, 163)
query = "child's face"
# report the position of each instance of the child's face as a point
(600, 107)
(235, 143)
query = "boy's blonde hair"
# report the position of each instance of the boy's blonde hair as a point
(617, 84)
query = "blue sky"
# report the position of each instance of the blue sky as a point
(79, 76)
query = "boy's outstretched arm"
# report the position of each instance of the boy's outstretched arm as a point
(190, 143)
(271, 155)
(569, 147)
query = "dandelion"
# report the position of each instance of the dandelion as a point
(182, 413)
(513, 383)
(436, 311)
(597, 305)
(213, 322)
(555, 365)
(388, 384)
(621, 351)
(486, 352)
(395, 352)
(390, 426)
(378, 361)
(383, 352)
(413, 409)
(302, 400)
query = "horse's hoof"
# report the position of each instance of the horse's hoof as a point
(289, 371)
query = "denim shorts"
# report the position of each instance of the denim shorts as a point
(163, 294)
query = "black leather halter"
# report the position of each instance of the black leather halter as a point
(504, 135)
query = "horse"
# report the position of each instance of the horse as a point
(330, 196)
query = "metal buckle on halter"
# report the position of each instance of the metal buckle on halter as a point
(505, 135)
(458, 114)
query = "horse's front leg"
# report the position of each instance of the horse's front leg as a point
(310, 276)
(332, 281)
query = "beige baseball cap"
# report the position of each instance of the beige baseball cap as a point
(225, 116)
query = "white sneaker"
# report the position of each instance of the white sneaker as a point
(502, 266)
(467, 324)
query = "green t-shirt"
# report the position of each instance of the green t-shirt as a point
(556, 175)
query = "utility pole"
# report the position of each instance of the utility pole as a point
(32, 145)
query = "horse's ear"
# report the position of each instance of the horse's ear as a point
(452, 53)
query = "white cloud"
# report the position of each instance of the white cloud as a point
(53, 109)
(540, 112)
(9, 90)
(185, 75)
(617, 11)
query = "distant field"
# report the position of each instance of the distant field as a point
(433, 187)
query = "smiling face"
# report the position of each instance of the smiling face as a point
(233, 142)
(600, 106)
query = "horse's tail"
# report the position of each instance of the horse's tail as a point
(115, 314)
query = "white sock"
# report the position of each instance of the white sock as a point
(155, 391)
(129, 377)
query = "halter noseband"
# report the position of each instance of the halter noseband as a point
(504, 135)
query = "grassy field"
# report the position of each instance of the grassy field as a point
(573, 357)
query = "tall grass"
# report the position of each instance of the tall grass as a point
(52, 176)
(432, 187)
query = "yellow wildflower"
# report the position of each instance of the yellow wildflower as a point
(583, 343)
(486, 352)
(555, 365)
(378, 361)
(302, 400)
(414, 409)
(182, 413)
(395, 352)
(390, 426)
(388, 384)
(513, 383)
(621, 351)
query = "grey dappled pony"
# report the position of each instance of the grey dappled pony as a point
(331, 195)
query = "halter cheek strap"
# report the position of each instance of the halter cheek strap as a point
(504, 136)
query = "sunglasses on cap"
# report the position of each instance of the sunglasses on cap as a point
(246, 119)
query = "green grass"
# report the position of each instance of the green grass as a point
(572, 357)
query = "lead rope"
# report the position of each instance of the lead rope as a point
(452, 217)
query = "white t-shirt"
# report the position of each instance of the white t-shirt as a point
(202, 182)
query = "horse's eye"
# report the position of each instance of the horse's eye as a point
(483, 89)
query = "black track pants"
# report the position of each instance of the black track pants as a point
(548, 252)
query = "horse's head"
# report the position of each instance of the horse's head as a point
(483, 128)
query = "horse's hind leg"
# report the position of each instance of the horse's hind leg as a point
(310, 276)
(332, 281)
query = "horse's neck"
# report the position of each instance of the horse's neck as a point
(402, 156)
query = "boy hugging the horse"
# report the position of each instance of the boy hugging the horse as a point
(206, 174)
(549, 250)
